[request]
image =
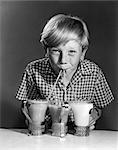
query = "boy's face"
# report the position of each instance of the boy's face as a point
(66, 56)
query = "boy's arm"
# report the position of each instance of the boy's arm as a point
(95, 114)
(25, 112)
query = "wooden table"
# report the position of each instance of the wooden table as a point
(17, 139)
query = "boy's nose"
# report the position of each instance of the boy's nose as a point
(63, 58)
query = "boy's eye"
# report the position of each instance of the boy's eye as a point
(55, 51)
(72, 52)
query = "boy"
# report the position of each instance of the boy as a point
(64, 69)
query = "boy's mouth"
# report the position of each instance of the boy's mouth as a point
(64, 66)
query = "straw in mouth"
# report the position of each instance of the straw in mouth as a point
(62, 73)
(52, 89)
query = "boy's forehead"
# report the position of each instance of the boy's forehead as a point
(70, 37)
(69, 42)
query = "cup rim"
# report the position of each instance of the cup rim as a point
(38, 101)
(81, 102)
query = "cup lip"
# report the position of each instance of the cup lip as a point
(43, 101)
(81, 102)
(53, 105)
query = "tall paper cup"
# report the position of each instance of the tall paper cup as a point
(59, 117)
(36, 115)
(81, 115)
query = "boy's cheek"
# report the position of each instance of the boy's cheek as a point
(54, 60)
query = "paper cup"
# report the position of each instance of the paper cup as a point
(35, 116)
(59, 117)
(81, 114)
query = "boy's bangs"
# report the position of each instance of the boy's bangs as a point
(59, 37)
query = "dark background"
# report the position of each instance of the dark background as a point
(20, 26)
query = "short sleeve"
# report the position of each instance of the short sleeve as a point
(103, 95)
(28, 89)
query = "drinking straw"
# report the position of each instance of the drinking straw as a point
(54, 85)
(65, 87)
(65, 94)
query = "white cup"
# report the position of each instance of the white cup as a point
(81, 112)
(35, 114)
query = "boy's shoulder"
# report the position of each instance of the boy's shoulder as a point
(89, 66)
(41, 61)
(37, 64)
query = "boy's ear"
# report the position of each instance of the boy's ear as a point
(83, 54)
(46, 52)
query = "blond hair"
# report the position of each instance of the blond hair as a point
(58, 27)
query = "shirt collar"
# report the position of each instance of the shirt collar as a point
(85, 67)
(49, 69)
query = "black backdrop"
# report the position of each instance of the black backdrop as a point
(20, 26)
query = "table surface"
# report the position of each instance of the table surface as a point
(17, 139)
